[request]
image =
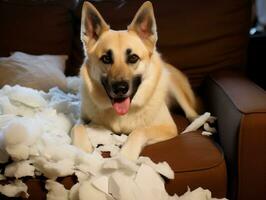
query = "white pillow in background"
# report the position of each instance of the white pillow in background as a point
(58, 61)
(39, 72)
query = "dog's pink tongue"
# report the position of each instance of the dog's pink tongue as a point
(122, 107)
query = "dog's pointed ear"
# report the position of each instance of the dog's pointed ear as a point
(92, 25)
(144, 25)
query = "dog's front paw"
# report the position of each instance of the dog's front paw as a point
(130, 153)
(80, 138)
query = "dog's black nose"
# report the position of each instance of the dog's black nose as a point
(120, 87)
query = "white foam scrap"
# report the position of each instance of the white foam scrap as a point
(56, 191)
(197, 123)
(81, 176)
(22, 131)
(107, 140)
(27, 96)
(14, 189)
(150, 183)
(101, 183)
(88, 191)
(20, 169)
(122, 186)
(206, 133)
(56, 169)
(162, 167)
(199, 194)
(74, 192)
(207, 127)
(99, 135)
(19, 136)
(90, 163)
(112, 148)
(121, 163)
(6, 107)
(34, 132)
(53, 122)
(18, 152)
(200, 121)
(5, 119)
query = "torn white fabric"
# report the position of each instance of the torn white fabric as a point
(56, 191)
(52, 170)
(143, 179)
(197, 123)
(206, 133)
(20, 169)
(74, 192)
(101, 183)
(202, 121)
(19, 136)
(34, 133)
(88, 191)
(23, 95)
(122, 186)
(162, 167)
(198, 194)
(15, 189)
(120, 163)
(207, 127)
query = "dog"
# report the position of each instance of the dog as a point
(126, 86)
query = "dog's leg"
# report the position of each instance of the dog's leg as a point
(80, 138)
(141, 137)
(162, 129)
(180, 89)
(180, 96)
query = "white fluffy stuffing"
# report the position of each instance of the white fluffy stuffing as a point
(34, 133)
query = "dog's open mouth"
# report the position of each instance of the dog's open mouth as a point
(121, 105)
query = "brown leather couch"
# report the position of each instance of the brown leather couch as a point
(205, 39)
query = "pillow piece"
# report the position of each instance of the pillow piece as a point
(39, 72)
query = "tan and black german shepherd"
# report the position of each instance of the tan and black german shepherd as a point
(126, 86)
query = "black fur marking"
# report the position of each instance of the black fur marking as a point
(131, 58)
(128, 51)
(135, 84)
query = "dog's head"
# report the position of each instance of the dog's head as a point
(118, 60)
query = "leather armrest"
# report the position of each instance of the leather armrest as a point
(240, 106)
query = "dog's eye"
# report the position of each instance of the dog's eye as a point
(132, 59)
(106, 59)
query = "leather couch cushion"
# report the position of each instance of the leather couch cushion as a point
(196, 160)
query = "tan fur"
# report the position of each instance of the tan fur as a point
(148, 120)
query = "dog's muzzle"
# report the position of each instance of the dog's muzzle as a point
(121, 92)
(119, 88)
(122, 88)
